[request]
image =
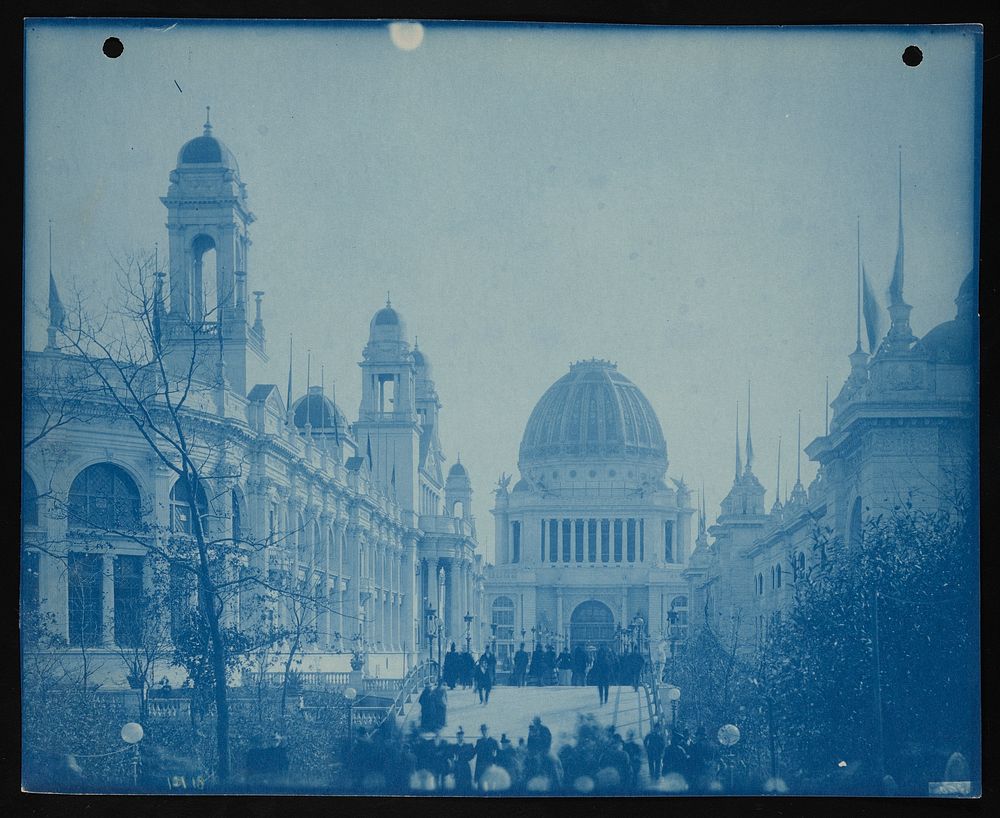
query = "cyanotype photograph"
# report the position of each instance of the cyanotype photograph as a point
(489, 410)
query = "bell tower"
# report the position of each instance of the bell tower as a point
(208, 219)
(388, 422)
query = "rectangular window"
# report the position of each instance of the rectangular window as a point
(515, 541)
(618, 540)
(542, 557)
(592, 540)
(129, 598)
(630, 540)
(578, 533)
(668, 541)
(30, 585)
(553, 540)
(567, 540)
(642, 539)
(605, 532)
(86, 599)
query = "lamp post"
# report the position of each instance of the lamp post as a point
(429, 614)
(493, 637)
(350, 694)
(468, 631)
(674, 695)
(132, 733)
(672, 619)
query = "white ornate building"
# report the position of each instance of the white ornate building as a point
(904, 429)
(591, 536)
(361, 509)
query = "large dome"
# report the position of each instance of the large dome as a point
(593, 412)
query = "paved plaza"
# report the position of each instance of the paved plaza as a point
(511, 709)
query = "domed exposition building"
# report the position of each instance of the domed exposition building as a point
(350, 527)
(591, 538)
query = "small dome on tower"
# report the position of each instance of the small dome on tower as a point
(421, 361)
(207, 150)
(458, 470)
(387, 325)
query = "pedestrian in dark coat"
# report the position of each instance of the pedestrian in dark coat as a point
(520, 666)
(634, 750)
(508, 759)
(491, 664)
(467, 667)
(614, 756)
(440, 698)
(464, 753)
(427, 716)
(535, 669)
(484, 682)
(656, 742)
(450, 670)
(539, 736)
(675, 759)
(600, 674)
(486, 751)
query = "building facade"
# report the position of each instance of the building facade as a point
(904, 429)
(359, 514)
(591, 539)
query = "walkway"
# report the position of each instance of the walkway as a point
(511, 709)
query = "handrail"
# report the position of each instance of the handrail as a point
(415, 677)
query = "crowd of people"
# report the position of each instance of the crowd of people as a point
(581, 667)
(599, 760)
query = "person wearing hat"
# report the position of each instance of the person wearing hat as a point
(507, 758)
(539, 737)
(463, 754)
(486, 751)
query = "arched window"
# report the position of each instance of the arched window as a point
(29, 500)
(180, 508)
(773, 586)
(104, 496)
(777, 575)
(802, 564)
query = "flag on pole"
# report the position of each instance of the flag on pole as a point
(872, 313)
(57, 315)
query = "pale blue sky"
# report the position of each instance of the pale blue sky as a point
(682, 202)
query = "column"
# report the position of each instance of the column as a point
(470, 604)
(559, 613)
(407, 592)
(108, 599)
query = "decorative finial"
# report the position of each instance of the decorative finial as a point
(388, 302)
(415, 344)
(208, 120)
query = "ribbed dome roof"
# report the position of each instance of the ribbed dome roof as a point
(387, 325)
(317, 410)
(593, 411)
(457, 470)
(207, 150)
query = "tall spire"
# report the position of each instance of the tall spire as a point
(388, 301)
(896, 287)
(858, 334)
(322, 379)
(739, 462)
(208, 120)
(749, 441)
(900, 336)
(799, 496)
(57, 315)
(309, 354)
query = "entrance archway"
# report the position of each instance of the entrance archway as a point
(592, 623)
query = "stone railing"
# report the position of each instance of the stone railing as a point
(170, 708)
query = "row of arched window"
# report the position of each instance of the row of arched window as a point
(104, 496)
